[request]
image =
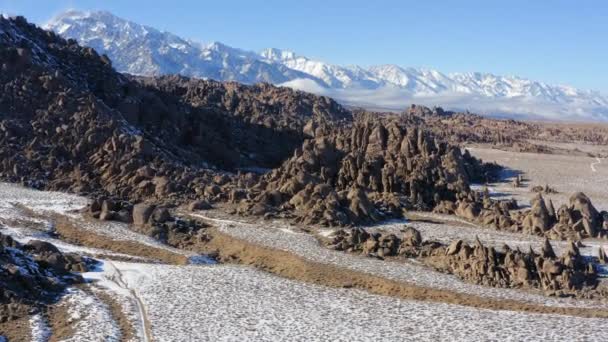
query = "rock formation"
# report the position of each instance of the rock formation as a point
(568, 274)
(364, 172)
(575, 221)
(68, 121)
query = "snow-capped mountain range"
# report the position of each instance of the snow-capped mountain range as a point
(143, 50)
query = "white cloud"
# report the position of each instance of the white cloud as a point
(396, 99)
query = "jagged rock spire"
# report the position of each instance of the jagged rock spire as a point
(547, 249)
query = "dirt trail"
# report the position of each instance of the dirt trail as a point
(145, 323)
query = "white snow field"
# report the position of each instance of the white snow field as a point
(90, 318)
(234, 303)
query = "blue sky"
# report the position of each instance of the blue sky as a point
(557, 41)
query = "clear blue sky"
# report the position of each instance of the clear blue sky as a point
(556, 41)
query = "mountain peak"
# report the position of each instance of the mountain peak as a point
(138, 49)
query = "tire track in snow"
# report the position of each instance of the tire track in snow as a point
(140, 305)
(599, 161)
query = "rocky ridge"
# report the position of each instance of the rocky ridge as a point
(567, 275)
(509, 134)
(577, 220)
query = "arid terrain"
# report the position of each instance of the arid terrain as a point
(177, 209)
(278, 281)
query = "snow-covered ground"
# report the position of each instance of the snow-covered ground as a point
(90, 318)
(39, 201)
(234, 303)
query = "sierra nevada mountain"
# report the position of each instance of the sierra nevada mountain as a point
(143, 50)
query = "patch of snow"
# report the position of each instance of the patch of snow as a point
(90, 318)
(40, 330)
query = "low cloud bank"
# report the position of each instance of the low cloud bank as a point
(396, 99)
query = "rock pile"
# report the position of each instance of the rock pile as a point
(32, 274)
(367, 171)
(146, 218)
(544, 189)
(575, 221)
(567, 274)
(513, 268)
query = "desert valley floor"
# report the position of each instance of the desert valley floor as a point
(132, 296)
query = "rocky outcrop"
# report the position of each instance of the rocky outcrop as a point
(575, 221)
(33, 274)
(365, 172)
(147, 218)
(544, 189)
(513, 268)
(567, 275)
(68, 121)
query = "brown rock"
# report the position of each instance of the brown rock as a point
(142, 212)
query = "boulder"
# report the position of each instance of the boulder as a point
(411, 237)
(199, 205)
(142, 212)
(37, 246)
(161, 215)
(583, 208)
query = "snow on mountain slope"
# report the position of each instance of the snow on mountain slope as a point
(333, 76)
(143, 50)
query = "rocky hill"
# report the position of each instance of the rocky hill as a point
(369, 171)
(69, 121)
(75, 123)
